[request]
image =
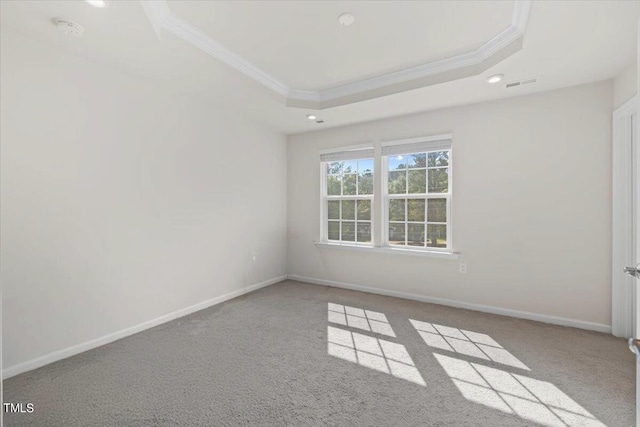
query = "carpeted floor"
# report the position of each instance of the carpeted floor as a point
(272, 358)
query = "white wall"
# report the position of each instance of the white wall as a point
(625, 84)
(121, 202)
(531, 205)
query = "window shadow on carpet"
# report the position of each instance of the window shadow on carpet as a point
(373, 353)
(360, 319)
(465, 342)
(529, 398)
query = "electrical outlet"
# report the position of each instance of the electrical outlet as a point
(463, 267)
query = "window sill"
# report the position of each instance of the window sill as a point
(396, 251)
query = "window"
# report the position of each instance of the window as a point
(347, 196)
(413, 208)
(417, 194)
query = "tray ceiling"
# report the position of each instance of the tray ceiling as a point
(566, 43)
(298, 50)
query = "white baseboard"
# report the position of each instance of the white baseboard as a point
(563, 321)
(106, 339)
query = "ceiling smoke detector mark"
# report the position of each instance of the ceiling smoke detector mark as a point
(346, 19)
(69, 28)
(524, 82)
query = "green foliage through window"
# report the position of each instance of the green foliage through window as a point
(418, 188)
(419, 173)
(418, 220)
(350, 178)
(349, 216)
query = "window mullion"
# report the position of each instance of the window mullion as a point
(406, 217)
(324, 214)
(340, 227)
(378, 202)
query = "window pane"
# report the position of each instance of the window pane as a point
(364, 232)
(364, 210)
(418, 181)
(396, 210)
(439, 158)
(397, 182)
(417, 160)
(334, 209)
(397, 162)
(334, 168)
(437, 210)
(350, 166)
(333, 185)
(437, 235)
(365, 165)
(415, 234)
(349, 209)
(365, 182)
(349, 231)
(415, 208)
(349, 185)
(439, 180)
(334, 230)
(396, 234)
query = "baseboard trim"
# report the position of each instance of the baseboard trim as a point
(106, 339)
(562, 321)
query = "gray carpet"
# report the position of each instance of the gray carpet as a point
(264, 359)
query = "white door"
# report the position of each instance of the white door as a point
(626, 231)
(634, 342)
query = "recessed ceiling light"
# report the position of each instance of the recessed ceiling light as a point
(346, 19)
(97, 3)
(311, 117)
(495, 78)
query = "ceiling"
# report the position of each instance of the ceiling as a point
(302, 45)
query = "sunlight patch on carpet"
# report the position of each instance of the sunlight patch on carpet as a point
(531, 399)
(373, 353)
(358, 318)
(465, 342)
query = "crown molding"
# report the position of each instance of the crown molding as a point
(498, 48)
(521, 15)
(159, 9)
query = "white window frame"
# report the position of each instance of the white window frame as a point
(325, 198)
(386, 197)
(380, 201)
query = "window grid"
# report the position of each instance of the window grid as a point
(342, 220)
(421, 175)
(356, 222)
(431, 228)
(425, 211)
